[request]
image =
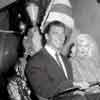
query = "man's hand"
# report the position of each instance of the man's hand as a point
(82, 84)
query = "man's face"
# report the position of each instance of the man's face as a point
(56, 37)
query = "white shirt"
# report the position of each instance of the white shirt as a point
(52, 52)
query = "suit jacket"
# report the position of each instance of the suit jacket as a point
(45, 75)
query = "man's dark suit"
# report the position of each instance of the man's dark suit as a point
(45, 75)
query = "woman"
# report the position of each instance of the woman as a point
(17, 87)
(85, 59)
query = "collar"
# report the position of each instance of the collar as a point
(50, 50)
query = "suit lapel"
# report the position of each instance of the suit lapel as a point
(52, 66)
(68, 68)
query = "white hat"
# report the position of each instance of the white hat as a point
(61, 10)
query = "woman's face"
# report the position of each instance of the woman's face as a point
(83, 50)
(82, 47)
(33, 41)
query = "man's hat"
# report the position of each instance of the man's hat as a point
(61, 10)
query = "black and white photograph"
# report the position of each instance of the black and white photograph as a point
(49, 50)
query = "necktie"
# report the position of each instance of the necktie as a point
(61, 64)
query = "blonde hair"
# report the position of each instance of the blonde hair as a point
(87, 41)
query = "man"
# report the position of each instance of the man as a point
(45, 73)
